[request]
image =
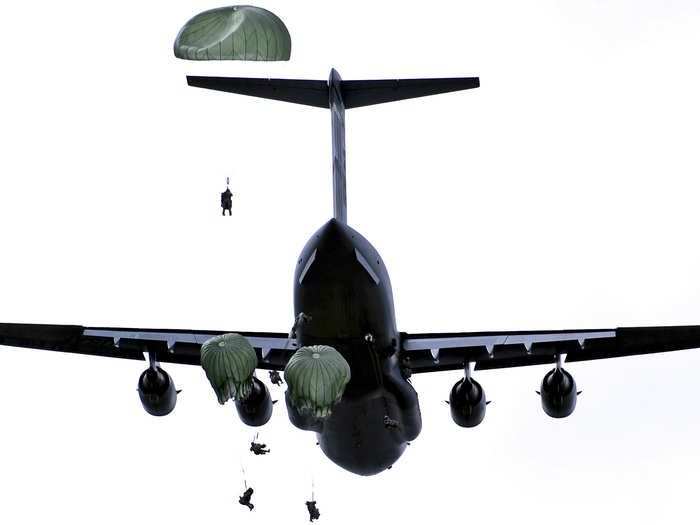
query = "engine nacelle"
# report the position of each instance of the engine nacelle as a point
(157, 392)
(256, 409)
(467, 403)
(558, 393)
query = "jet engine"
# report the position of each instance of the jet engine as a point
(558, 393)
(256, 409)
(157, 391)
(467, 402)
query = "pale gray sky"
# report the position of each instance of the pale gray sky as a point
(561, 194)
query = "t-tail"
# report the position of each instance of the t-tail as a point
(337, 95)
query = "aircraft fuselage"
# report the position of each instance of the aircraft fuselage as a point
(341, 283)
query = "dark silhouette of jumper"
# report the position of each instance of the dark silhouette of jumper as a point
(245, 498)
(226, 202)
(275, 377)
(314, 514)
(258, 448)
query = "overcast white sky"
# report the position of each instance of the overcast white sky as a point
(561, 194)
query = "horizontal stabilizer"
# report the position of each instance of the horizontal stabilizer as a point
(354, 93)
(358, 93)
(308, 92)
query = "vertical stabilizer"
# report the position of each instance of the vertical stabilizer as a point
(336, 94)
(335, 101)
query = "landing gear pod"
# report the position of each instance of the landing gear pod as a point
(157, 391)
(467, 403)
(558, 392)
(256, 409)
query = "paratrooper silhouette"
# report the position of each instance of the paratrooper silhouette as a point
(226, 200)
(314, 514)
(245, 498)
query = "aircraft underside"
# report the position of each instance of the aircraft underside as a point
(342, 288)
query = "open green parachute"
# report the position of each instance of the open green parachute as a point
(234, 33)
(229, 362)
(316, 376)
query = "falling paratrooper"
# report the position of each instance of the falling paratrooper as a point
(226, 200)
(245, 498)
(275, 378)
(259, 449)
(314, 514)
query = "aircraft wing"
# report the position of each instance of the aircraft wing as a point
(451, 351)
(168, 346)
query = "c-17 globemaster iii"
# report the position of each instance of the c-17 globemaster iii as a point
(343, 299)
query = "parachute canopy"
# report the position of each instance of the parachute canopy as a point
(316, 376)
(229, 362)
(234, 33)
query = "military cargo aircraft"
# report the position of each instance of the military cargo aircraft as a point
(343, 299)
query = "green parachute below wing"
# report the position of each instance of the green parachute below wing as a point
(316, 376)
(229, 362)
(234, 33)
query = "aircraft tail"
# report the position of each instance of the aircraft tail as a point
(337, 95)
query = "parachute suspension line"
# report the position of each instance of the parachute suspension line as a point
(312, 460)
(241, 445)
(307, 459)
